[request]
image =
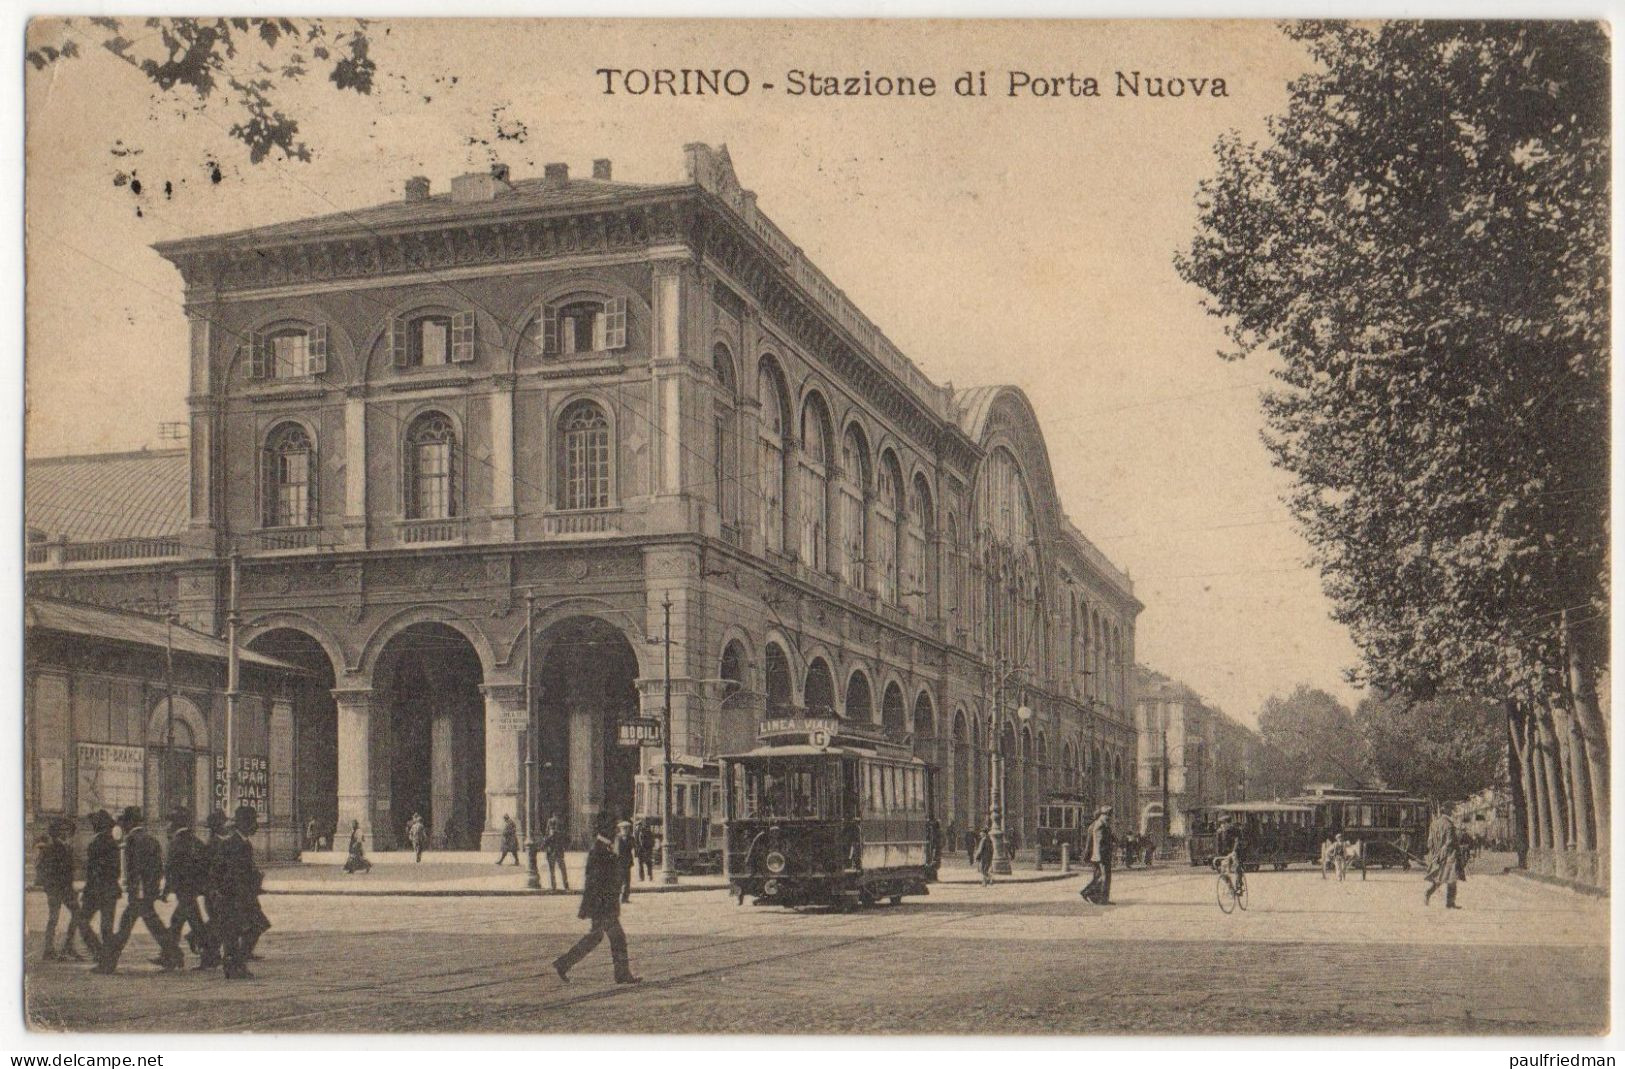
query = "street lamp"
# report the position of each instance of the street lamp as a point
(996, 793)
(668, 874)
(533, 878)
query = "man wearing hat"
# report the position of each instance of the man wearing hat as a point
(55, 876)
(1101, 843)
(186, 875)
(234, 882)
(1227, 845)
(101, 894)
(601, 904)
(143, 880)
(209, 938)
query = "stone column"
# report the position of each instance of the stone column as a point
(586, 770)
(363, 759)
(443, 778)
(504, 760)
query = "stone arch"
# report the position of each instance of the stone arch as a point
(340, 658)
(894, 710)
(580, 605)
(425, 614)
(925, 715)
(585, 285)
(373, 354)
(818, 690)
(778, 678)
(860, 701)
(342, 362)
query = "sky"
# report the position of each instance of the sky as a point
(1025, 239)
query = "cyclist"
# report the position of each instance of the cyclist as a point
(1227, 850)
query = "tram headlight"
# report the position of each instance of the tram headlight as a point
(770, 888)
(774, 861)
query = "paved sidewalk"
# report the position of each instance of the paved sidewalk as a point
(453, 874)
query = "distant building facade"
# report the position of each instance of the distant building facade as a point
(1190, 754)
(124, 709)
(634, 402)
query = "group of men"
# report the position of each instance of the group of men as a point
(215, 885)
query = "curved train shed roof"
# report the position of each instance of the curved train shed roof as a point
(105, 496)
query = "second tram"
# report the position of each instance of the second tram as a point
(694, 832)
(1277, 834)
(1063, 820)
(826, 812)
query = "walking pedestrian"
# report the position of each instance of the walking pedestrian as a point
(312, 840)
(143, 883)
(417, 833)
(982, 856)
(601, 904)
(209, 940)
(234, 884)
(186, 876)
(357, 859)
(643, 844)
(1099, 845)
(972, 841)
(1444, 860)
(624, 857)
(101, 892)
(554, 843)
(510, 839)
(54, 874)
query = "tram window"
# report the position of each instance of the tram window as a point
(637, 799)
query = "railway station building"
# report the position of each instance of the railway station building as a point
(627, 401)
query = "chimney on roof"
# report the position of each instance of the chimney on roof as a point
(600, 169)
(417, 188)
(471, 188)
(556, 175)
(499, 171)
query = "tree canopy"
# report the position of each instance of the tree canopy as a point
(1447, 748)
(1423, 241)
(248, 61)
(1308, 737)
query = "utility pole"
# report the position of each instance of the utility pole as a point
(995, 804)
(169, 712)
(1167, 814)
(533, 879)
(233, 692)
(668, 874)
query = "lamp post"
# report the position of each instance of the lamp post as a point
(668, 874)
(233, 691)
(996, 792)
(533, 878)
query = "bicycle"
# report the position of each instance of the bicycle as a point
(1231, 893)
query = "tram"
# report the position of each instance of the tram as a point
(1063, 820)
(1277, 834)
(694, 833)
(1391, 825)
(826, 812)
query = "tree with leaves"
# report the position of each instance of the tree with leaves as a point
(1309, 736)
(247, 61)
(1446, 748)
(1422, 240)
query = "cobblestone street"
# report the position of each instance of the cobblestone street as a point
(1311, 955)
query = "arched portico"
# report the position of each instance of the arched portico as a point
(317, 756)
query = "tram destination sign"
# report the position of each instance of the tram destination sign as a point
(639, 731)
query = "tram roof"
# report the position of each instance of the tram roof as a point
(808, 750)
(1261, 807)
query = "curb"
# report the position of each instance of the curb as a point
(1558, 881)
(522, 892)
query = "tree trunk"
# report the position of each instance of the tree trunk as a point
(1576, 815)
(1592, 725)
(1518, 780)
(1551, 781)
(1541, 794)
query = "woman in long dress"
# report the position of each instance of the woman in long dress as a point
(357, 861)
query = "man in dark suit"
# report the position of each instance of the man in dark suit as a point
(209, 938)
(101, 893)
(1101, 841)
(143, 882)
(54, 873)
(553, 844)
(234, 884)
(601, 904)
(186, 876)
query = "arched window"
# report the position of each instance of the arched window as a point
(894, 712)
(725, 459)
(815, 485)
(431, 451)
(290, 470)
(771, 472)
(579, 324)
(925, 718)
(854, 537)
(290, 353)
(920, 573)
(860, 705)
(178, 757)
(955, 607)
(780, 692)
(584, 462)
(819, 690)
(888, 518)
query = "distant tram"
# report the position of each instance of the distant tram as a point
(1389, 826)
(1063, 819)
(1272, 833)
(826, 812)
(694, 833)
